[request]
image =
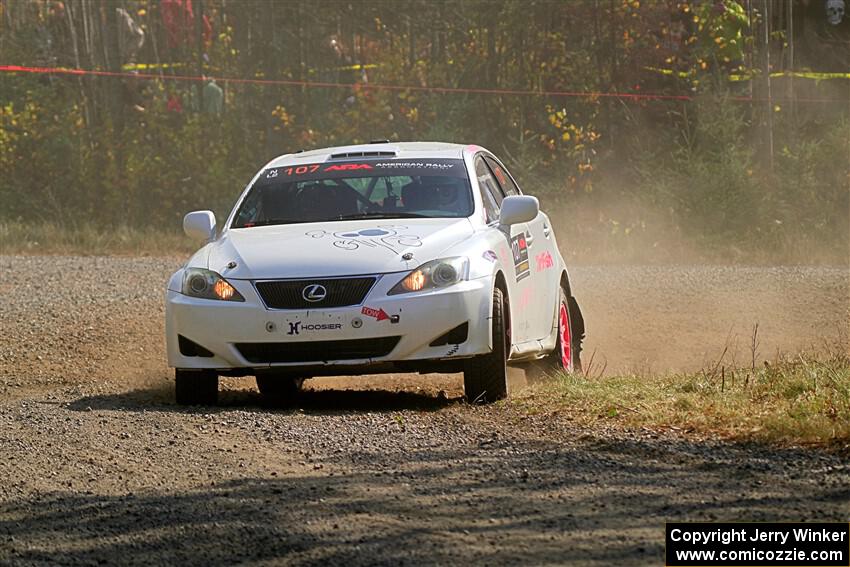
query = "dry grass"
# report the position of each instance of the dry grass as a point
(91, 240)
(799, 400)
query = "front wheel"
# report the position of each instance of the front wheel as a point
(485, 378)
(195, 387)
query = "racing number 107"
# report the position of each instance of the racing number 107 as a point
(302, 169)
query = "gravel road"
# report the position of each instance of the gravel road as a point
(98, 466)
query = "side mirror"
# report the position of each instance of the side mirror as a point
(199, 225)
(518, 208)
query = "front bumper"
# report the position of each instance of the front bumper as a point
(416, 318)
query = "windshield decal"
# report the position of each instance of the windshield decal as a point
(316, 171)
(348, 167)
(415, 165)
(387, 237)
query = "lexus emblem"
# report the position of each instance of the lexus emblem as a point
(314, 293)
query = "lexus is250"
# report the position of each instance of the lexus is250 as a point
(408, 257)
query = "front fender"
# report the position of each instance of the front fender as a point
(175, 282)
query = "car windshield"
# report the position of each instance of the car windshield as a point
(335, 191)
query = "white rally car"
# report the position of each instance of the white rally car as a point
(408, 257)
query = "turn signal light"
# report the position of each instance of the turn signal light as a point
(223, 290)
(206, 284)
(414, 282)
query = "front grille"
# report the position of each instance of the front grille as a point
(317, 351)
(289, 294)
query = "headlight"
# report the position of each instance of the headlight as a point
(434, 274)
(207, 284)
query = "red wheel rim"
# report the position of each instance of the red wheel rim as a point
(564, 335)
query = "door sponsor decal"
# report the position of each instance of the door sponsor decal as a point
(519, 247)
(389, 238)
(296, 327)
(544, 261)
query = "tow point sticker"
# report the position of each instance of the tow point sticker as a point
(378, 314)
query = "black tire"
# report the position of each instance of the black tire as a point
(577, 320)
(554, 362)
(485, 378)
(279, 390)
(195, 387)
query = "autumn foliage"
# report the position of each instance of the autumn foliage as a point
(642, 117)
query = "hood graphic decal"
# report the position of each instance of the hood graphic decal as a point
(389, 238)
(332, 249)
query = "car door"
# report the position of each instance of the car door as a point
(541, 256)
(520, 284)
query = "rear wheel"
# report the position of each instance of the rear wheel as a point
(567, 354)
(279, 390)
(485, 378)
(195, 387)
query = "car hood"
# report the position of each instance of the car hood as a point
(333, 248)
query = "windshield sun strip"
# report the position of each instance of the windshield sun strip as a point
(338, 177)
